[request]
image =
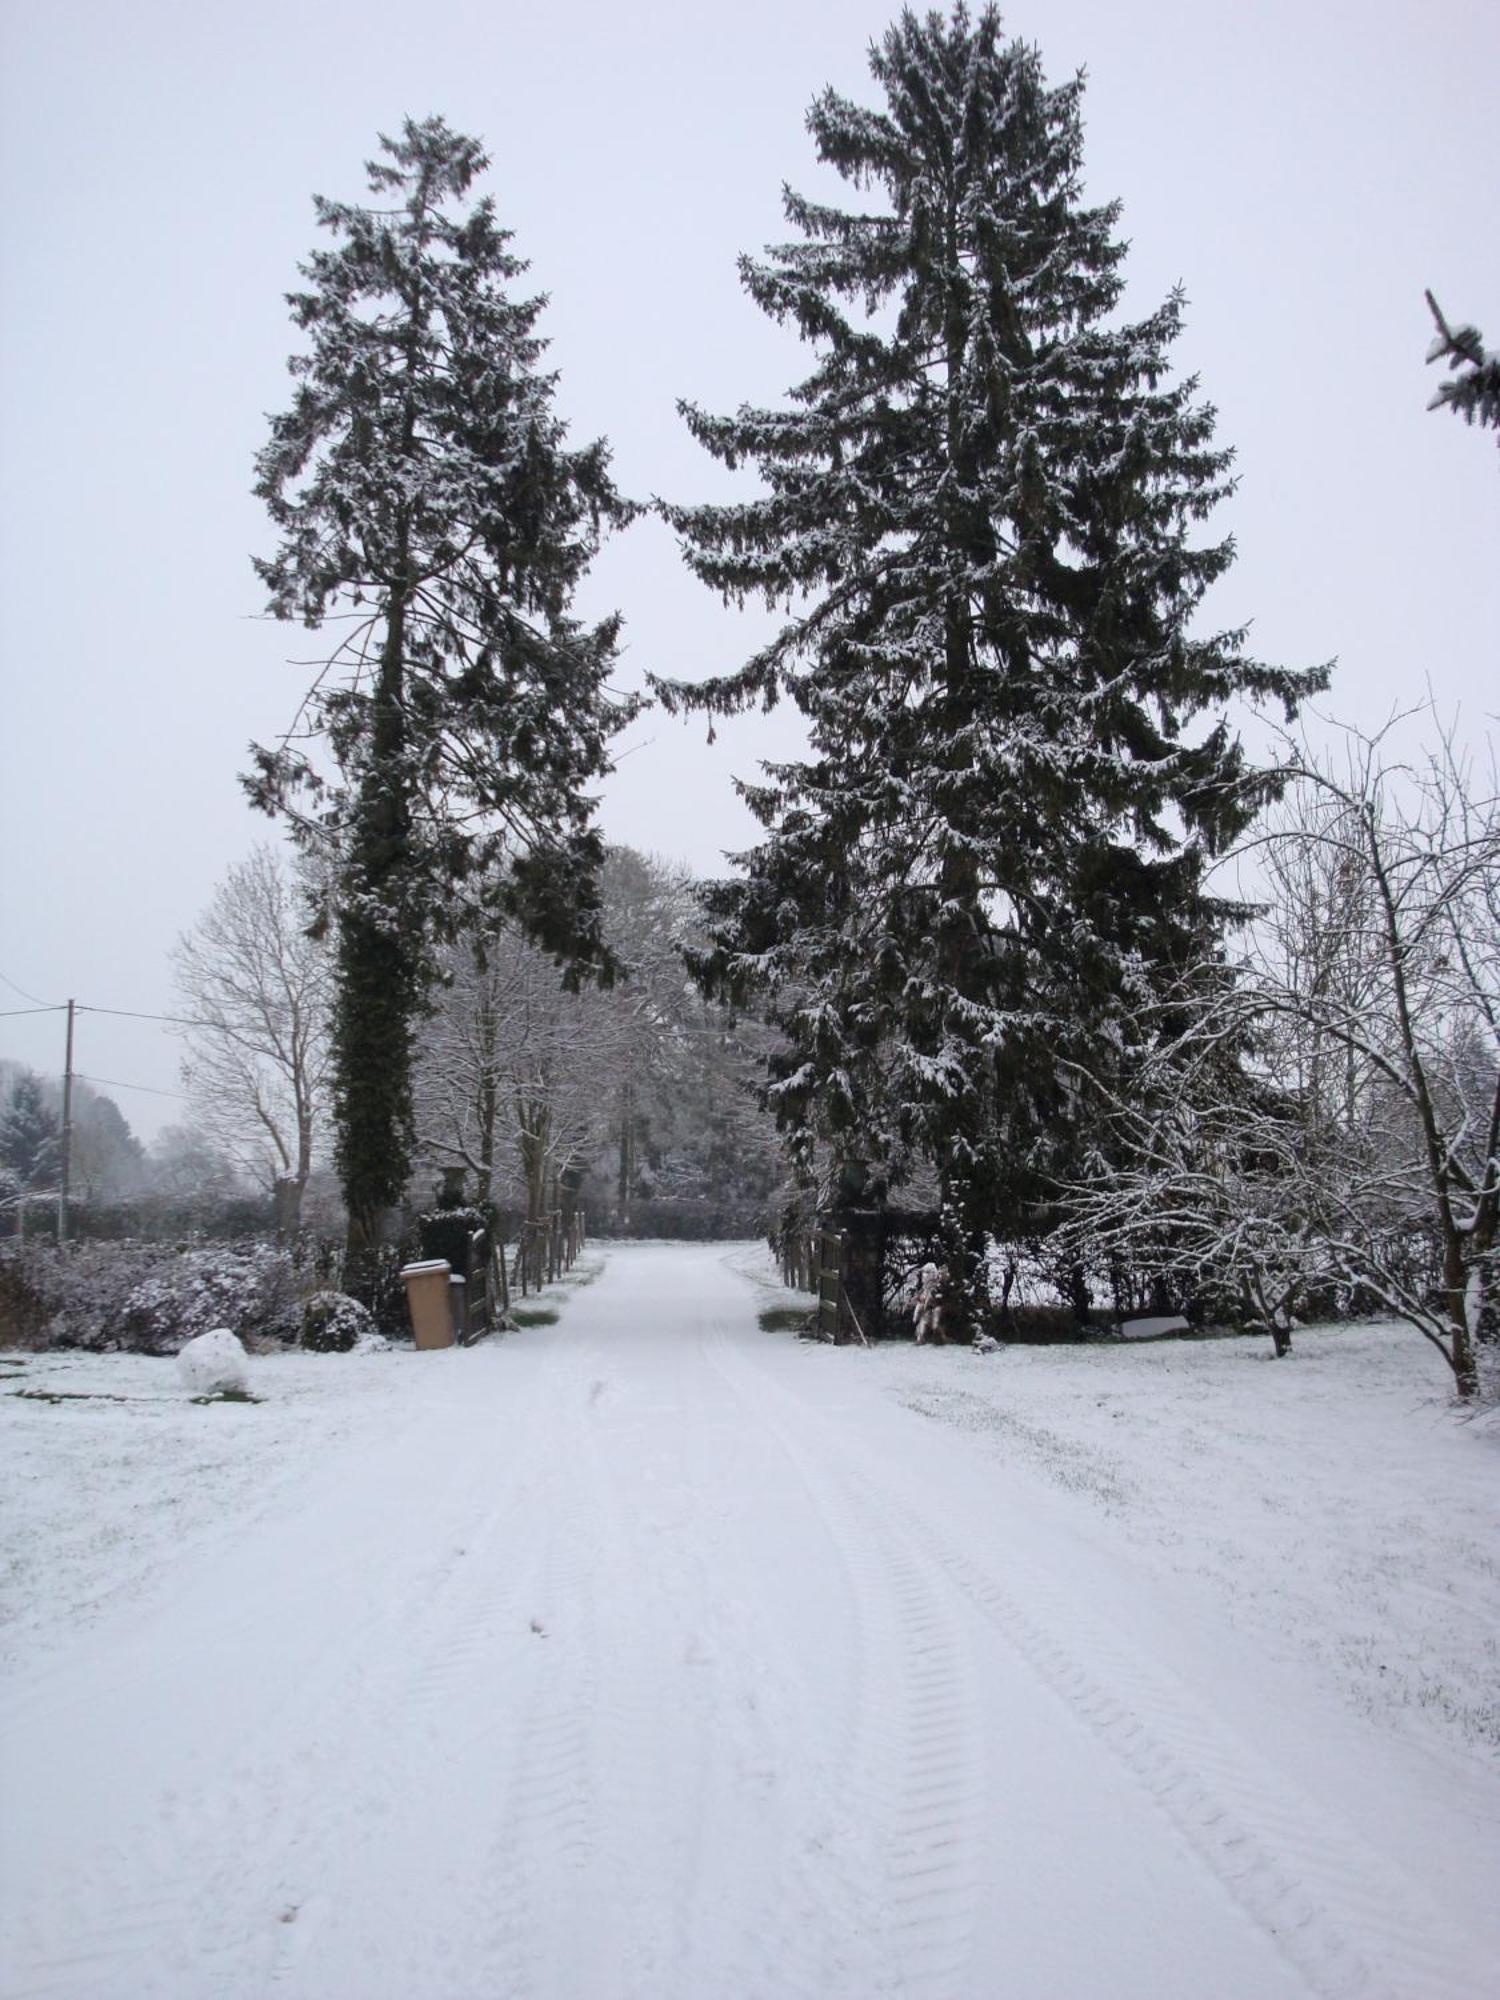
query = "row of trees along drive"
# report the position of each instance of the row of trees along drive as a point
(981, 905)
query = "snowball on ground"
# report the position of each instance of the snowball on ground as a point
(213, 1362)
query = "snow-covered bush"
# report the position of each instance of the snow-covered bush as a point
(214, 1363)
(250, 1288)
(149, 1297)
(80, 1292)
(23, 1307)
(334, 1323)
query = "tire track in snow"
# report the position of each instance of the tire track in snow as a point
(411, 1817)
(401, 1690)
(493, 1819)
(1309, 1884)
(739, 1906)
(916, 1761)
(666, 1750)
(655, 1727)
(546, 1858)
(766, 1869)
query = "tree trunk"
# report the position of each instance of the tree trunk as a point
(362, 1242)
(287, 1197)
(627, 1154)
(864, 1253)
(488, 1107)
(1465, 1360)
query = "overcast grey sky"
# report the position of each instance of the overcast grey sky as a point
(1303, 169)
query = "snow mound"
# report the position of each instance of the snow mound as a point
(1152, 1328)
(213, 1363)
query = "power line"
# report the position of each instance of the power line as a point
(131, 1014)
(114, 1083)
(42, 1004)
(122, 1013)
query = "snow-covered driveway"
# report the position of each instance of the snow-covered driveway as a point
(651, 1655)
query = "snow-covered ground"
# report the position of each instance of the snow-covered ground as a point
(653, 1655)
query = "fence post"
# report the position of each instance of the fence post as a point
(497, 1266)
(831, 1284)
(481, 1306)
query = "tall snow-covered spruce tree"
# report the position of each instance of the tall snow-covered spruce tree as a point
(979, 508)
(427, 502)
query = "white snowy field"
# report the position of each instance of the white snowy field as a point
(653, 1655)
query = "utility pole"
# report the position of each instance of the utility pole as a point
(66, 1142)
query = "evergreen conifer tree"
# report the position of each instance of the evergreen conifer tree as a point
(1474, 390)
(979, 508)
(425, 497)
(29, 1133)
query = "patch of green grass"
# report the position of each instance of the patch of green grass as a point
(782, 1319)
(229, 1396)
(534, 1315)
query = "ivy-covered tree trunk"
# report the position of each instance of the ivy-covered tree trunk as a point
(379, 981)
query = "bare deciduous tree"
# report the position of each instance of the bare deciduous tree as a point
(1202, 1178)
(513, 1072)
(1410, 1104)
(520, 1081)
(257, 988)
(1334, 1111)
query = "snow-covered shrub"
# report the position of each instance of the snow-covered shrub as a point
(250, 1288)
(147, 1297)
(214, 1363)
(334, 1323)
(82, 1290)
(24, 1310)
